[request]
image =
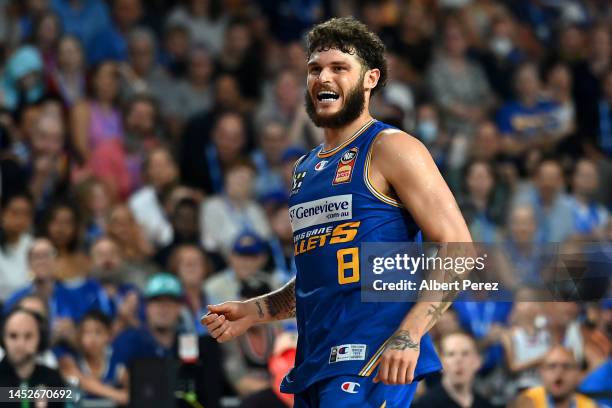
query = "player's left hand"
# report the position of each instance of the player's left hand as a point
(399, 359)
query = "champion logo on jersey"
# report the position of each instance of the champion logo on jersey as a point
(298, 178)
(346, 164)
(350, 387)
(321, 165)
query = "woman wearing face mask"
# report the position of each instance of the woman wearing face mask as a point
(501, 55)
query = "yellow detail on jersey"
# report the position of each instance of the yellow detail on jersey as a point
(366, 178)
(327, 153)
(371, 365)
(345, 232)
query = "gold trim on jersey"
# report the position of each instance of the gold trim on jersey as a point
(371, 365)
(366, 178)
(384, 404)
(327, 153)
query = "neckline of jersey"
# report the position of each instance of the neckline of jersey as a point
(327, 153)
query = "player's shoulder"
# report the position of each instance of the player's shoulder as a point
(391, 141)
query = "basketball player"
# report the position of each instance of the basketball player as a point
(368, 182)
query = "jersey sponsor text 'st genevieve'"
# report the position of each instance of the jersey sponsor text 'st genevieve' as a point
(333, 209)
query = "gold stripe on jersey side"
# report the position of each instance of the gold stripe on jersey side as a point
(384, 404)
(366, 178)
(322, 154)
(366, 370)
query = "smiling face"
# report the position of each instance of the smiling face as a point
(338, 88)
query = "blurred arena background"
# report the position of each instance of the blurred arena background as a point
(146, 150)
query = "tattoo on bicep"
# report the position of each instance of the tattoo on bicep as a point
(260, 312)
(281, 304)
(401, 340)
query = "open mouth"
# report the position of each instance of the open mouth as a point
(327, 96)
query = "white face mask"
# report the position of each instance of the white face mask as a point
(427, 130)
(501, 46)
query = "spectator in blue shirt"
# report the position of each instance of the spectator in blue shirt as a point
(93, 362)
(551, 204)
(589, 217)
(83, 18)
(529, 121)
(162, 337)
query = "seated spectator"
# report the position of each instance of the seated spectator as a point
(62, 227)
(66, 80)
(161, 337)
(192, 95)
(553, 212)
(246, 260)
(210, 146)
(604, 116)
(526, 342)
(84, 19)
(485, 321)
(16, 217)
(458, 85)
(590, 217)
(530, 121)
(48, 161)
(93, 363)
(245, 359)
(22, 78)
(97, 119)
(124, 230)
(185, 229)
(461, 361)
(267, 158)
(24, 337)
(431, 131)
(120, 298)
(559, 90)
(481, 206)
(161, 174)
(225, 216)
(143, 133)
(192, 268)
(522, 259)
(142, 75)
(95, 201)
(559, 372)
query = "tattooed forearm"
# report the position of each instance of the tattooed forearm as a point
(260, 312)
(401, 340)
(281, 303)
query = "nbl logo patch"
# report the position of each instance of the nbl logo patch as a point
(298, 178)
(346, 164)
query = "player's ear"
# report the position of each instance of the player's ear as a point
(370, 79)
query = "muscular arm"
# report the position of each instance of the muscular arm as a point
(231, 319)
(402, 166)
(277, 305)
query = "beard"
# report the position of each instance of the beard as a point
(354, 103)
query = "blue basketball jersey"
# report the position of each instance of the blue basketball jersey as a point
(333, 209)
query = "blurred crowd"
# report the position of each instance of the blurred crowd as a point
(146, 151)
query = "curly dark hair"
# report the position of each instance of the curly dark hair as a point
(350, 36)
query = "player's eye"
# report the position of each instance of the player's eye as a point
(315, 71)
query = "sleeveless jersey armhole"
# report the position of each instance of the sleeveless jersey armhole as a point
(366, 177)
